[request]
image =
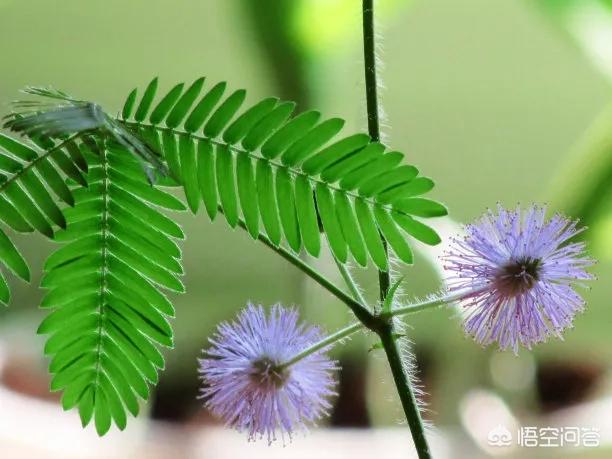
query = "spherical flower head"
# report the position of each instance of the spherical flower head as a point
(246, 385)
(518, 271)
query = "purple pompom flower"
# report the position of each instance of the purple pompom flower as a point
(518, 271)
(245, 384)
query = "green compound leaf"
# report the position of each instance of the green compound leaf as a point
(32, 181)
(291, 177)
(282, 176)
(107, 313)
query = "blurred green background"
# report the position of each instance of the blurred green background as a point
(497, 101)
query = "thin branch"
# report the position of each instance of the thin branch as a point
(427, 304)
(371, 84)
(351, 284)
(360, 310)
(325, 342)
(351, 329)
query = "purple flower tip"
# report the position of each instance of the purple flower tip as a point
(518, 271)
(245, 385)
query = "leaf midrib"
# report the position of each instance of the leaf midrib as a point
(104, 271)
(276, 164)
(34, 162)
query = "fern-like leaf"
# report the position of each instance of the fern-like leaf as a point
(107, 313)
(287, 176)
(29, 178)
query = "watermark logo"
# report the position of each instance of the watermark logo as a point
(545, 437)
(499, 436)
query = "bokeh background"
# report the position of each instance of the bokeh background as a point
(503, 101)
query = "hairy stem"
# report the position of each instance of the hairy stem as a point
(387, 333)
(427, 304)
(351, 329)
(325, 342)
(351, 284)
(371, 85)
(406, 394)
(369, 57)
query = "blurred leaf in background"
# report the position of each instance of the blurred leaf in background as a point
(589, 23)
(298, 36)
(583, 186)
(323, 26)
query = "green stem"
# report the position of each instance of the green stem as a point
(387, 333)
(369, 57)
(347, 331)
(427, 304)
(360, 310)
(406, 394)
(352, 285)
(327, 341)
(371, 84)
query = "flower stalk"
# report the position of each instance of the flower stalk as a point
(345, 332)
(426, 304)
(324, 343)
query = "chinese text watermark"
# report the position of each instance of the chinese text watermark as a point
(545, 437)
